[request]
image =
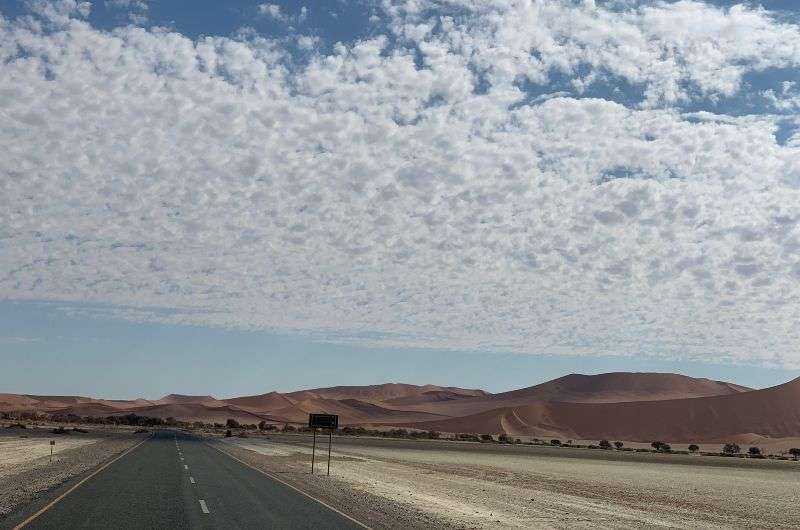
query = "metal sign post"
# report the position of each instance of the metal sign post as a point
(52, 443)
(324, 421)
(330, 436)
(313, 448)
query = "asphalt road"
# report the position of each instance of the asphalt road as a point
(176, 481)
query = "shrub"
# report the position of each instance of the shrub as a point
(693, 448)
(730, 449)
(503, 439)
(228, 433)
(555, 441)
(795, 452)
(661, 447)
(619, 445)
(433, 435)
(242, 434)
(604, 444)
(468, 437)
(487, 438)
(288, 428)
(754, 451)
(17, 426)
(232, 424)
(84, 431)
(140, 431)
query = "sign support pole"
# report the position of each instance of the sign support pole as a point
(313, 448)
(330, 437)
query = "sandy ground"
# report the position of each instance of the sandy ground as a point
(481, 486)
(25, 467)
(16, 452)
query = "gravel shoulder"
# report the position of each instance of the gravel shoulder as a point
(398, 483)
(26, 472)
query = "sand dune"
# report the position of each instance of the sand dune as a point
(627, 406)
(620, 386)
(261, 403)
(772, 412)
(377, 392)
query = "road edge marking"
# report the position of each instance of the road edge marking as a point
(298, 490)
(55, 501)
(204, 506)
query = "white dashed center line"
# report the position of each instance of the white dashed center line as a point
(203, 506)
(185, 467)
(191, 479)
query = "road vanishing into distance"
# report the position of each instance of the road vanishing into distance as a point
(174, 480)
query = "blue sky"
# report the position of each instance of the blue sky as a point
(234, 197)
(49, 349)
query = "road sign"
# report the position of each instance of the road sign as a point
(323, 421)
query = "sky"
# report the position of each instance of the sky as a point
(233, 197)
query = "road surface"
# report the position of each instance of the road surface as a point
(174, 480)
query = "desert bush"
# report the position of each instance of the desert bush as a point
(730, 449)
(754, 451)
(604, 444)
(232, 424)
(555, 441)
(17, 426)
(661, 447)
(140, 431)
(228, 433)
(433, 435)
(242, 434)
(619, 445)
(288, 428)
(76, 429)
(468, 437)
(487, 438)
(795, 452)
(504, 439)
(60, 430)
(693, 448)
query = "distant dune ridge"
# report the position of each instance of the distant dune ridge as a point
(626, 406)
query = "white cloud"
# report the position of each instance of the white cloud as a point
(368, 195)
(137, 9)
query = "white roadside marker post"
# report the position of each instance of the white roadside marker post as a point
(52, 443)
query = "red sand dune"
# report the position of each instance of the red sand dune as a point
(624, 406)
(373, 393)
(602, 388)
(771, 412)
(199, 412)
(261, 403)
(174, 399)
(621, 386)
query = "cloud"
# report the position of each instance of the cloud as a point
(137, 9)
(409, 189)
(275, 12)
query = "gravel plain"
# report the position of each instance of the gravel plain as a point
(414, 483)
(25, 467)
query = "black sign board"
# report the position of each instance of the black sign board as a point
(323, 421)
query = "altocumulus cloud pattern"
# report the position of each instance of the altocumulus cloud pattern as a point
(541, 176)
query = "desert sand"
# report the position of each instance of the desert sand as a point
(478, 486)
